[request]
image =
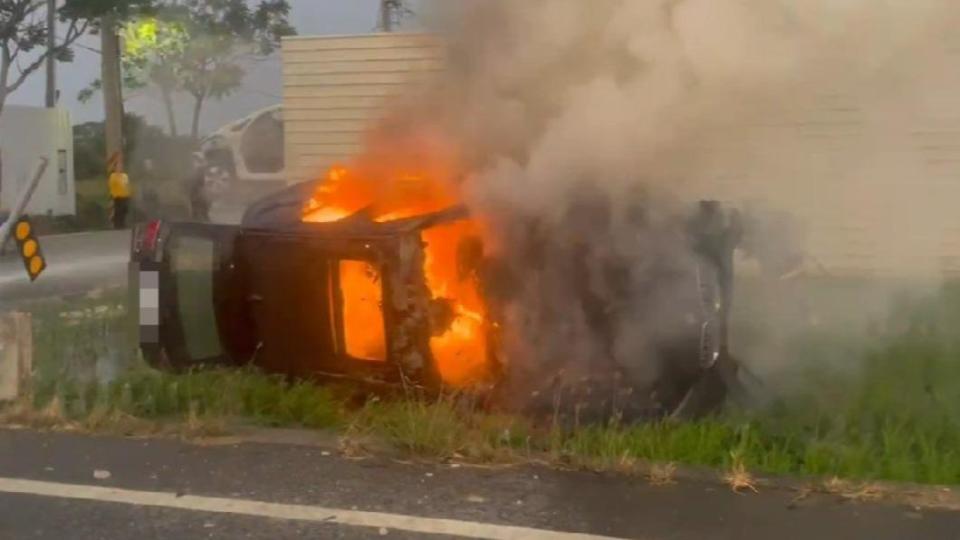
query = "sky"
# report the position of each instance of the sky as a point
(262, 86)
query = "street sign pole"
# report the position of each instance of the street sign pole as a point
(17, 211)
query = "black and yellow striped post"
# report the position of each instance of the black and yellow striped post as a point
(29, 248)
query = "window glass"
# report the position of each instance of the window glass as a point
(193, 261)
(262, 144)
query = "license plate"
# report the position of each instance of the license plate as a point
(148, 304)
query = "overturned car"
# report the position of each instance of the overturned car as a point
(410, 300)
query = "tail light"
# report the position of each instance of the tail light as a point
(151, 236)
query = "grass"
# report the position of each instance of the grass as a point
(82, 340)
(237, 394)
(892, 414)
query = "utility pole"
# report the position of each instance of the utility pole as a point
(51, 58)
(110, 75)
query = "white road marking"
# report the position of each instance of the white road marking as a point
(293, 512)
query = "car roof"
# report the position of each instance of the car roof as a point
(283, 212)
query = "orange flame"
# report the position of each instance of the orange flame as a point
(345, 193)
(460, 351)
(364, 329)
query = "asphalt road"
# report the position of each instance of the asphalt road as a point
(50, 488)
(76, 264)
(82, 262)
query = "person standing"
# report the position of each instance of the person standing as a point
(119, 185)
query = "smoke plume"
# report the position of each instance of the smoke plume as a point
(586, 130)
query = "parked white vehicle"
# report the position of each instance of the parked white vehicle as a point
(249, 150)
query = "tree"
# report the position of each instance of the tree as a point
(169, 156)
(198, 47)
(23, 29)
(222, 34)
(89, 144)
(152, 48)
(23, 35)
(152, 56)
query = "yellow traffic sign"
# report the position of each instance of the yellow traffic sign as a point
(29, 248)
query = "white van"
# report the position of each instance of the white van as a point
(248, 150)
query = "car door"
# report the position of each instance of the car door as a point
(316, 304)
(189, 296)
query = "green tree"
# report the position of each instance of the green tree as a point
(199, 47)
(222, 34)
(154, 48)
(169, 157)
(90, 146)
(23, 34)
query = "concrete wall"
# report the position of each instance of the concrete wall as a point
(334, 86)
(26, 134)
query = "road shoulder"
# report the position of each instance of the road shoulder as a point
(534, 497)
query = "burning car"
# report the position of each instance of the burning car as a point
(326, 280)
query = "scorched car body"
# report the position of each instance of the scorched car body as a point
(268, 293)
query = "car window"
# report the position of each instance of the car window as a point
(193, 264)
(361, 289)
(262, 144)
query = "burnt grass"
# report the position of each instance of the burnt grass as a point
(890, 412)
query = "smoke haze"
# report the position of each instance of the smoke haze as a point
(819, 108)
(599, 123)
